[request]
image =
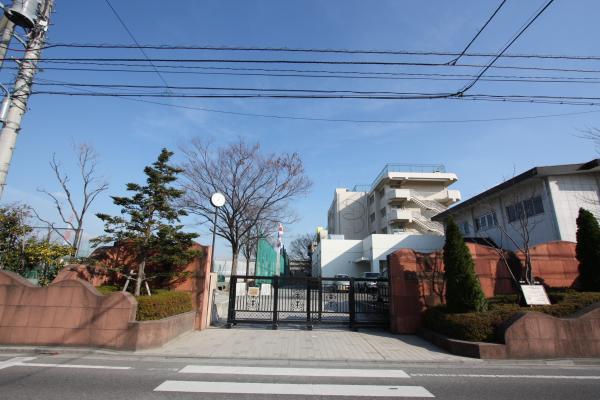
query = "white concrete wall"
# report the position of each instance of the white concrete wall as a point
(348, 214)
(569, 193)
(338, 256)
(378, 247)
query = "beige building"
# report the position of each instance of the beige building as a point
(540, 204)
(402, 199)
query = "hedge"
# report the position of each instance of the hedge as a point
(483, 326)
(163, 305)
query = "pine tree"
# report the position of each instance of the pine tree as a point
(588, 250)
(463, 291)
(149, 224)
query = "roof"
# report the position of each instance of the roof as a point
(535, 172)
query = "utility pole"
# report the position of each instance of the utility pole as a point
(22, 91)
(7, 27)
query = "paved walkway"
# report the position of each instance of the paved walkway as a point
(296, 344)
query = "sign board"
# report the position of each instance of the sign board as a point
(240, 288)
(265, 289)
(253, 291)
(535, 295)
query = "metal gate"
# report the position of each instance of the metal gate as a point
(276, 300)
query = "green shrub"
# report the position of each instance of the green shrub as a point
(483, 326)
(107, 289)
(588, 250)
(163, 304)
(475, 327)
(463, 290)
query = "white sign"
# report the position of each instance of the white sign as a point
(265, 289)
(535, 295)
(240, 288)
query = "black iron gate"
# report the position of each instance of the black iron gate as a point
(304, 300)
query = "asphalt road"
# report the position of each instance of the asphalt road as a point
(67, 377)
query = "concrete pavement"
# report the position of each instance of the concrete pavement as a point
(296, 344)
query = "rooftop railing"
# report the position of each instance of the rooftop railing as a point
(423, 168)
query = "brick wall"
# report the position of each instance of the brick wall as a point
(416, 279)
(73, 312)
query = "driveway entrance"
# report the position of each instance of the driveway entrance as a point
(273, 300)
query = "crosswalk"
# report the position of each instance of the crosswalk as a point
(231, 386)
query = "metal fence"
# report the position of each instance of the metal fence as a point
(305, 300)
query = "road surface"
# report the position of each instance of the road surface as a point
(76, 377)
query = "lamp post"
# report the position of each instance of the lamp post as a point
(217, 200)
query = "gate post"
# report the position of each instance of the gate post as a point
(351, 304)
(308, 307)
(231, 305)
(275, 300)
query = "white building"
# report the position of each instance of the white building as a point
(354, 257)
(543, 202)
(402, 198)
(369, 222)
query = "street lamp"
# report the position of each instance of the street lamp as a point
(217, 200)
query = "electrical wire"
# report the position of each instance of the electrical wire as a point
(462, 53)
(336, 120)
(317, 50)
(134, 40)
(510, 43)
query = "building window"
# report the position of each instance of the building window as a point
(371, 199)
(372, 217)
(464, 227)
(382, 212)
(526, 208)
(486, 221)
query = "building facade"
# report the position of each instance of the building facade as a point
(367, 223)
(540, 205)
(402, 199)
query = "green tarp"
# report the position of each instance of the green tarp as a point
(266, 260)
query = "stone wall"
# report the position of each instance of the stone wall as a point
(416, 278)
(530, 335)
(537, 335)
(73, 312)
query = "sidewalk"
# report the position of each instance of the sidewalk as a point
(296, 344)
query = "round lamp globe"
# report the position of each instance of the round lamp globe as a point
(217, 199)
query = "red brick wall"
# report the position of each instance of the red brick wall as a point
(73, 312)
(411, 277)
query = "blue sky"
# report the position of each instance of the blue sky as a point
(129, 135)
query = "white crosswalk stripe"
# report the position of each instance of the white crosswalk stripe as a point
(280, 371)
(293, 389)
(307, 389)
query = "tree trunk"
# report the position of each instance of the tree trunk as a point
(140, 277)
(234, 260)
(247, 266)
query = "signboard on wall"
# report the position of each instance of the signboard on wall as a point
(240, 288)
(535, 295)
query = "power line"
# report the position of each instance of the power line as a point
(567, 100)
(408, 76)
(134, 40)
(318, 50)
(514, 39)
(363, 121)
(462, 53)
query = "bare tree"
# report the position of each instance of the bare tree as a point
(522, 223)
(258, 188)
(73, 213)
(299, 247)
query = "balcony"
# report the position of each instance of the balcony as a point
(445, 196)
(399, 215)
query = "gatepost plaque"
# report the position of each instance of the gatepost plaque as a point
(535, 295)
